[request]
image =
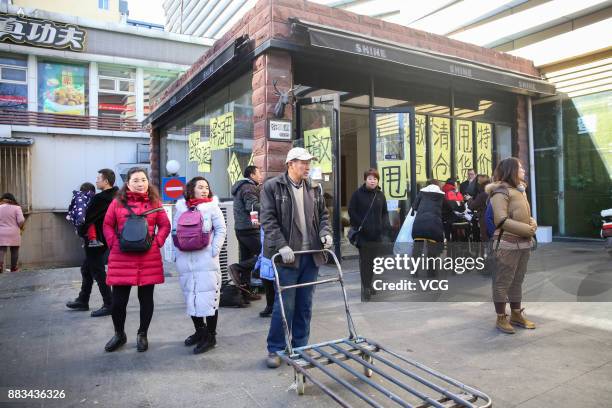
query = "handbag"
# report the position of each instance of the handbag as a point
(230, 296)
(353, 234)
(490, 265)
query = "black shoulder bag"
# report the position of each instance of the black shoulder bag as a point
(491, 261)
(353, 234)
(134, 236)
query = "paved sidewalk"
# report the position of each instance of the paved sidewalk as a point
(566, 362)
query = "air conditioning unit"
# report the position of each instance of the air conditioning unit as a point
(230, 249)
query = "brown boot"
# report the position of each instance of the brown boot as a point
(517, 317)
(503, 325)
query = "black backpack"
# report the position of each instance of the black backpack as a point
(134, 236)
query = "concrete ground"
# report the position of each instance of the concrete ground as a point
(565, 362)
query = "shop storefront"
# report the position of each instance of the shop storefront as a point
(364, 96)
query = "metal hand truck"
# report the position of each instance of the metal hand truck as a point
(411, 378)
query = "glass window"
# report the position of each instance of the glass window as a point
(11, 74)
(62, 88)
(485, 105)
(214, 139)
(155, 83)
(587, 161)
(103, 4)
(116, 95)
(13, 82)
(107, 84)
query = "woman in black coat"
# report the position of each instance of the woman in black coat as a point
(368, 211)
(428, 229)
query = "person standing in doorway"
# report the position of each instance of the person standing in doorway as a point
(428, 228)
(246, 225)
(294, 218)
(468, 187)
(515, 229)
(93, 267)
(199, 269)
(127, 266)
(11, 223)
(369, 215)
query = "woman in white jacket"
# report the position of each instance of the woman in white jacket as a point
(199, 270)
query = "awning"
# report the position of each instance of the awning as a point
(197, 81)
(16, 141)
(331, 38)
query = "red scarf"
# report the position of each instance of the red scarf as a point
(194, 202)
(136, 196)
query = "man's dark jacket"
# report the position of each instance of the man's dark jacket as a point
(246, 199)
(96, 210)
(280, 223)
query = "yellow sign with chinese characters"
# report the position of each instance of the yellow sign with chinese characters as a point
(464, 149)
(484, 148)
(421, 160)
(204, 157)
(318, 143)
(234, 170)
(441, 148)
(394, 178)
(193, 145)
(222, 131)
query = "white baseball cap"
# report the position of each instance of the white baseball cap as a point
(298, 153)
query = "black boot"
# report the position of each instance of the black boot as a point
(195, 337)
(267, 312)
(105, 310)
(77, 304)
(207, 342)
(118, 340)
(142, 344)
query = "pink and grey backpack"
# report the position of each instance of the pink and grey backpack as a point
(189, 234)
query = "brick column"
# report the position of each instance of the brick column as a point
(154, 156)
(275, 65)
(522, 135)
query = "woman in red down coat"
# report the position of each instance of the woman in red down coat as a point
(127, 269)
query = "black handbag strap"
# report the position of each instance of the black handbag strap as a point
(144, 213)
(367, 212)
(501, 232)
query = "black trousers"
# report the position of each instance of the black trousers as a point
(93, 269)
(14, 256)
(121, 296)
(249, 245)
(368, 250)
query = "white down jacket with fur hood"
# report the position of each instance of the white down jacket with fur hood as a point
(199, 271)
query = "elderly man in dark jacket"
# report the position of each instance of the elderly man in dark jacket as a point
(246, 200)
(294, 218)
(95, 257)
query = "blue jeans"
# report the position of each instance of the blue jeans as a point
(297, 303)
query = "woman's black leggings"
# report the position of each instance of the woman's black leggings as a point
(211, 322)
(121, 296)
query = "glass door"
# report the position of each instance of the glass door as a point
(317, 130)
(393, 153)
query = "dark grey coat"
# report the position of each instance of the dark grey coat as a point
(280, 223)
(246, 199)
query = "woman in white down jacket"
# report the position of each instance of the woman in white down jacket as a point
(199, 270)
